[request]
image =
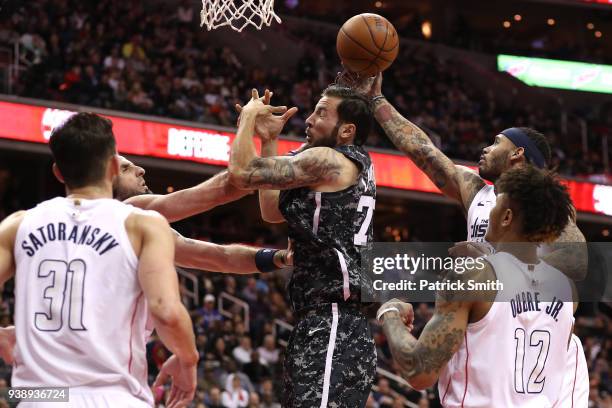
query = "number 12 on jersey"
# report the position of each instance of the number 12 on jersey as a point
(64, 294)
(535, 383)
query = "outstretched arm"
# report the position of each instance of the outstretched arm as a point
(312, 167)
(191, 201)
(239, 259)
(454, 181)
(268, 128)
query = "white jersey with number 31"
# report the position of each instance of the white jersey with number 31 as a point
(80, 314)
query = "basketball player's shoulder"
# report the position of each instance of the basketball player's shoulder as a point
(9, 227)
(139, 215)
(13, 221)
(468, 276)
(354, 154)
(322, 158)
(139, 219)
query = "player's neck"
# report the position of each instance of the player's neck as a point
(90, 192)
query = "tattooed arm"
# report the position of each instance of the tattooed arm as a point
(421, 360)
(312, 167)
(454, 181)
(239, 259)
(569, 253)
(268, 199)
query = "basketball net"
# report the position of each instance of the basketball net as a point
(237, 14)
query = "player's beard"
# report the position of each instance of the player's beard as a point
(122, 194)
(494, 168)
(330, 140)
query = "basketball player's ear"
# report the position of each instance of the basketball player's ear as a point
(115, 165)
(507, 217)
(518, 154)
(57, 173)
(347, 131)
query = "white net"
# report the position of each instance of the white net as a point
(237, 14)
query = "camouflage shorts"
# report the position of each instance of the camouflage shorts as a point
(331, 357)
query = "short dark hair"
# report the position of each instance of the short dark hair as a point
(541, 143)
(81, 148)
(541, 200)
(354, 108)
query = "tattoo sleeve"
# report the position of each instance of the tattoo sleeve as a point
(415, 143)
(305, 169)
(421, 360)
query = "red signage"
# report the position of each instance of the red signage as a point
(149, 138)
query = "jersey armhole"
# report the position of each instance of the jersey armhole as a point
(126, 244)
(471, 208)
(490, 315)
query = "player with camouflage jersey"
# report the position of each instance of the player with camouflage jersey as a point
(328, 230)
(327, 199)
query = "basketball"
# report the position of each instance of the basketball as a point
(367, 44)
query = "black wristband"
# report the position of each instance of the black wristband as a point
(264, 260)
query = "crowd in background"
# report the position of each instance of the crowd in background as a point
(119, 55)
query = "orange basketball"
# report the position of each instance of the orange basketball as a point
(367, 44)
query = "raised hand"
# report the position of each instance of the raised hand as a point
(368, 86)
(269, 124)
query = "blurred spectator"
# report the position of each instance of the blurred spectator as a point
(255, 369)
(208, 312)
(235, 396)
(242, 353)
(268, 351)
(383, 396)
(213, 399)
(254, 400)
(268, 396)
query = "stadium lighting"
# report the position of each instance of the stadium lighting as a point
(426, 29)
(598, 34)
(550, 73)
(551, 21)
(378, 4)
(590, 26)
(518, 17)
(507, 24)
